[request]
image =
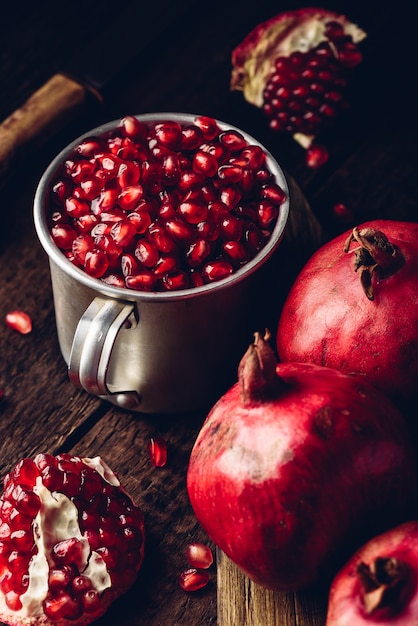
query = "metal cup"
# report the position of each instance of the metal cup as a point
(154, 352)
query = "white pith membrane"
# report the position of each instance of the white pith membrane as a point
(57, 520)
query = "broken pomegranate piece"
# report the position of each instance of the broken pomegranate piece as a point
(71, 541)
(296, 68)
(164, 205)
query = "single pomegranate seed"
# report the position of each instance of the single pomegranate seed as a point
(123, 232)
(216, 270)
(193, 211)
(133, 128)
(316, 156)
(147, 253)
(157, 451)
(13, 601)
(144, 281)
(76, 207)
(199, 555)
(236, 251)
(205, 163)
(63, 235)
(129, 197)
(90, 601)
(198, 252)
(169, 134)
(343, 213)
(192, 137)
(165, 265)
(178, 280)
(208, 126)
(233, 140)
(193, 579)
(62, 606)
(96, 262)
(19, 321)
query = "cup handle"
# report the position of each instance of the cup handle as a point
(93, 342)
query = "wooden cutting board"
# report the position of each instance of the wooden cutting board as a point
(240, 601)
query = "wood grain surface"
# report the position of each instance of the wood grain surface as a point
(185, 67)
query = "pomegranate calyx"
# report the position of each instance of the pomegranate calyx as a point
(375, 256)
(257, 375)
(383, 583)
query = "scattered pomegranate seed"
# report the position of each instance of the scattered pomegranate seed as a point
(19, 321)
(157, 450)
(164, 206)
(193, 579)
(343, 213)
(316, 156)
(199, 555)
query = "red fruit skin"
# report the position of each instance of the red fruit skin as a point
(345, 603)
(327, 319)
(288, 488)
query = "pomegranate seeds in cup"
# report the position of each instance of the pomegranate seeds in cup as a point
(164, 205)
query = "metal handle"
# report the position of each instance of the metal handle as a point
(93, 342)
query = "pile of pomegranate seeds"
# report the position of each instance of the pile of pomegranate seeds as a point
(71, 540)
(164, 206)
(19, 321)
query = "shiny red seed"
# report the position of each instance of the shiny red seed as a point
(274, 193)
(179, 230)
(191, 138)
(144, 281)
(13, 601)
(205, 163)
(193, 211)
(96, 262)
(233, 140)
(130, 196)
(208, 126)
(199, 555)
(216, 270)
(19, 321)
(169, 134)
(193, 579)
(123, 232)
(316, 156)
(147, 253)
(198, 252)
(133, 128)
(157, 451)
(177, 280)
(236, 251)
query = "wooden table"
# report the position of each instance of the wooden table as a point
(184, 65)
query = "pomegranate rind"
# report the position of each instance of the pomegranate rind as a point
(288, 488)
(303, 29)
(345, 606)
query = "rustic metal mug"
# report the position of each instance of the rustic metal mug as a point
(154, 352)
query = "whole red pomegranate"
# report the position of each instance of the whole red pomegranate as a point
(296, 67)
(295, 465)
(354, 307)
(379, 583)
(71, 541)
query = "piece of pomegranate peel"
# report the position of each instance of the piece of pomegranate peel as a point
(296, 67)
(71, 541)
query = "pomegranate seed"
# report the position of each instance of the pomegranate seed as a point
(13, 601)
(233, 140)
(316, 156)
(144, 281)
(147, 253)
(236, 251)
(198, 252)
(19, 321)
(192, 211)
(157, 451)
(216, 270)
(123, 232)
(199, 555)
(132, 127)
(76, 207)
(179, 280)
(192, 137)
(129, 197)
(169, 134)
(343, 212)
(193, 579)
(205, 163)
(208, 126)
(63, 235)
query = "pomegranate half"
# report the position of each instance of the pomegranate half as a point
(296, 466)
(379, 583)
(71, 541)
(354, 307)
